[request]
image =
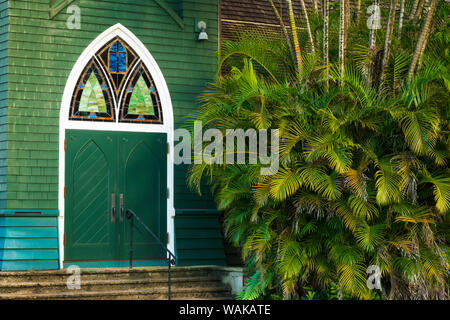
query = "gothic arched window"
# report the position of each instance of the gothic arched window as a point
(116, 86)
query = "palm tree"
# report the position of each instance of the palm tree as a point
(363, 174)
(308, 26)
(400, 19)
(347, 15)
(413, 9)
(421, 42)
(358, 11)
(283, 29)
(316, 6)
(389, 31)
(373, 35)
(325, 13)
(295, 36)
(342, 34)
(419, 10)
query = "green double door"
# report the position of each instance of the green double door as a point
(107, 173)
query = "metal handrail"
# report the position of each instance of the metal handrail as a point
(171, 259)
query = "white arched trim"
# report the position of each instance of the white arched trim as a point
(166, 127)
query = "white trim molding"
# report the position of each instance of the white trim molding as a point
(166, 109)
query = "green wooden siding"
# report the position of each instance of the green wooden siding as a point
(37, 55)
(3, 96)
(28, 242)
(42, 52)
(199, 238)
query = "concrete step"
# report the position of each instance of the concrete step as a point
(103, 273)
(189, 283)
(199, 292)
(108, 285)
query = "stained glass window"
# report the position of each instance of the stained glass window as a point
(116, 81)
(141, 102)
(117, 58)
(91, 99)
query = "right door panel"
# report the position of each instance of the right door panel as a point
(143, 186)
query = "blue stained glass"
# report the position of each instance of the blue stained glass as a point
(122, 62)
(114, 47)
(112, 62)
(121, 48)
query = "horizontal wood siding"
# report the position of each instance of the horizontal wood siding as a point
(42, 52)
(28, 243)
(4, 24)
(199, 238)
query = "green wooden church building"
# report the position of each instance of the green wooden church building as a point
(90, 94)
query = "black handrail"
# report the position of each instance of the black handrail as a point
(171, 259)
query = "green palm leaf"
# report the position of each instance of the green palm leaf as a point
(441, 191)
(369, 237)
(387, 183)
(285, 183)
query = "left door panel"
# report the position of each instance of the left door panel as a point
(90, 201)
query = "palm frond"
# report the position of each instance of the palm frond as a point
(370, 236)
(387, 183)
(441, 191)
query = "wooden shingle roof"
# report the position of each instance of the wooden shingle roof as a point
(238, 14)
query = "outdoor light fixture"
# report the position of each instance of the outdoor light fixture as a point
(202, 27)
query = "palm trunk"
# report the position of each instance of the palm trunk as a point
(421, 43)
(400, 19)
(413, 9)
(387, 44)
(419, 63)
(285, 32)
(358, 11)
(347, 18)
(308, 26)
(342, 36)
(373, 35)
(372, 43)
(347, 23)
(418, 13)
(316, 6)
(298, 53)
(325, 13)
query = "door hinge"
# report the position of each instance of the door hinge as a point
(65, 192)
(64, 240)
(168, 238)
(168, 148)
(65, 144)
(167, 193)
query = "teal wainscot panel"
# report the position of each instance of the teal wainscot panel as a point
(29, 240)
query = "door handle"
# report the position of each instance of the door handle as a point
(113, 207)
(121, 207)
